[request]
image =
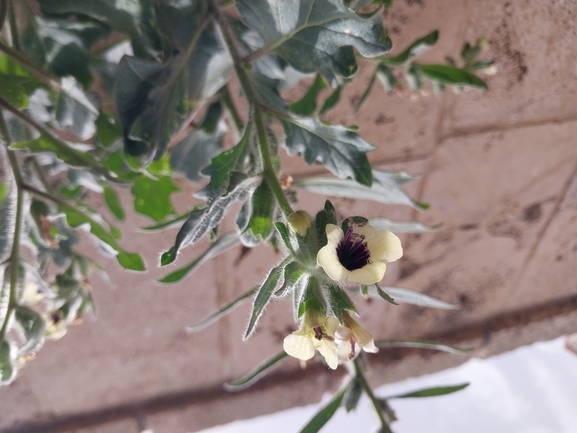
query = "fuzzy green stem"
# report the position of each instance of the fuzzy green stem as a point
(263, 143)
(15, 253)
(375, 402)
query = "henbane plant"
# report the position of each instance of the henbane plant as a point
(163, 110)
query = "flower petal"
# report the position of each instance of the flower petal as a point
(327, 256)
(369, 274)
(299, 346)
(329, 351)
(385, 246)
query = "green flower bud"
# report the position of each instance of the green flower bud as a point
(300, 222)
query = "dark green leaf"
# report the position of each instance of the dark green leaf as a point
(419, 46)
(256, 374)
(450, 75)
(339, 149)
(353, 395)
(222, 244)
(62, 46)
(222, 165)
(324, 415)
(367, 91)
(385, 188)
(413, 77)
(316, 35)
(7, 363)
(33, 326)
(432, 392)
(292, 272)
(421, 344)
(331, 101)
(326, 216)
(311, 299)
(107, 129)
(153, 100)
(113, 202)
(221, 312)
(263, 296)
(127, 260)
(4, 293)
(152, 196)
(194, 153)
(307, 105)
(133, 17)
(212, 118)
(74, 110)
(201, 221)
(267, 92)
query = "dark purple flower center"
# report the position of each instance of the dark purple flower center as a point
(352, 251)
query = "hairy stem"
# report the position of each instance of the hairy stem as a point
(15, 253)
(366, 387)
(249, 91)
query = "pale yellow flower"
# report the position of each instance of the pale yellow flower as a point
(361, 255)
(317, 332)
(351, 338)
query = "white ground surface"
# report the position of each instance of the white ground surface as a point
(532, 389)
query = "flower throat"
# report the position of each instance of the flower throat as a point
(352, 251)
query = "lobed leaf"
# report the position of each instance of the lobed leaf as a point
(419, 46)
(340, 150)
(259, 372)
(307, 105)
(194, 153)
(385, 188)
(450, 75)
(152, 196)
(316, 35)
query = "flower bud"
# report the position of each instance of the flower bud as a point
(300, 222)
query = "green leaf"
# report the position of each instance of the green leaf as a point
(324, 415)
(262, 207)
(353, 395)
(309, 298)
(16, 89)
(152, 196)
(219, 170)
(367, 91)
(450, 75)
(194, 153)
(201, 221)
(381, 293)
(338, 301)
(63, 151)
(74, 110)
(107, 129)
(418, 47)
(316, 35)
(62, 46)
(432, 392)
(413, 77)
(8, 366)
(221, 312)
(263, 296)
(307, 105)
(168, 223)
(113, 202)
(386, 77)
(153, 100)
(292, 273)
(133, 17)
(76, 218)
(331, 101)
(421, 344)
(222, 244)
(326, 216)
(33, 326)
(339, 149)
(285, 236)
(385, 188)
(401, 226)
(267, 92)
(4, 293)
(408, 296)
(259, 372)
